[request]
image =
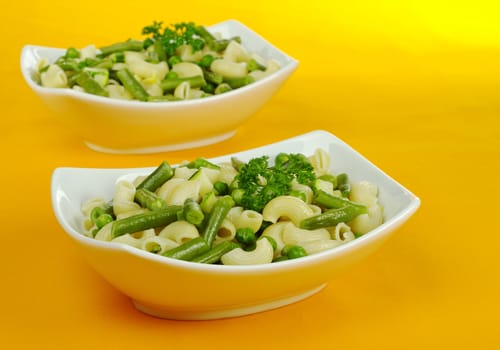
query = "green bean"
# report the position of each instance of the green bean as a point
(343, 184)
(150, 200)
(205, 34)
(90, 85)
(144, 221)
(221, 44)
(330, 201)
(192, 212)
(332, 217)
(132, 85)
(129, 45)
(213, 77)
(216, 217)
(252, 65)
(159, 49)
(216, 252)
(188, 250)
(194, 82)
(236, 83)
(157, 178)
(201, 162)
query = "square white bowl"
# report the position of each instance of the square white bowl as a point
(176, 289)
(118, 126)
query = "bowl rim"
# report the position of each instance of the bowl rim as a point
(289, 65)
(379, 232)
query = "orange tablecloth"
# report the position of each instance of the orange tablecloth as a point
(414, 87)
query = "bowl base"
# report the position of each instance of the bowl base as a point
(176, 314)
(162, 148)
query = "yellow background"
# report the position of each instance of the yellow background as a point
(412, 85)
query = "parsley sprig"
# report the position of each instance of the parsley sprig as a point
(174, 35)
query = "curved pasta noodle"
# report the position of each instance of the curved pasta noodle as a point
(287, 208)
(229, 69)
(262, 254)
(179, 231)
(123, 200)
(343, 232)
(136, 239)
(54, 77)
(271, 67)
(183, 191)
(186, 53)
(320, 160)
(275, 231)
(245, 218)
(151, 244)
(306, 190)
(235, 52)
(316, 246)
(366, 222)
(182, 90)
(187, 69)
(226, 173)
(364, 192)
(293, 235)
(183, 172)
(104, 234)
(226, 232)
(166, 189)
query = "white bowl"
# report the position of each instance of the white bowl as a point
(116, 126)
(177, 289)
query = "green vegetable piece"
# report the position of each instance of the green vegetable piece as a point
(188, 250)
(221, 188)
(216, 217)
(208, 201)
(236, 83)
(157, 178)
(201, 162)
(170, 84)
(144, 221)
(71, 52)
(173, 60)
(103, 220)
(206, 61)
(253, 65)
(192, 212)
(222, 88)
(332, 217)
(293, 251)
(150, 200)
(330, 178)
(90, 85)
(216, 252)
(246, 236)
(212, 77)
(330, 201)
(132, 85)
(129, 45)
(343, 184)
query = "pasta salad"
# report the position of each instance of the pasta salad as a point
(179, 62)
(237, 213)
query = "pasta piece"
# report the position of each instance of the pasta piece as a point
(316, 246)
(182, 90)
(88, 205)
(275, 231)
(88, 51)
(286, 208)
(148, 70)
(226, 232)
(54, 77)
(262, 254)
(181, 192)
(151, 244)
(117, 91)
(187, 69)
(364, 192)
(179, 231)
(229, 69)
(135, 240)
(343, 232)
(272, 66)
(166, 189)
(226, 173)
(320, 161)
(306, 190)
(184, 172)
(295, 236)
(324, 185)
(186, 53)
(366, 222)
(104, 234)
(123, 200)
(245, 218)
(235, 52)
(201, 177)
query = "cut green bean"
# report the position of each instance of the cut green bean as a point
(237, 83)
(216, 217)
(150, 200)
(201, 162)
(216, 252)
(188, 250)
(343, 184)
(192, 212)
(90, 85)
(144, 221)
(194, 82)
(332, 217)
(129, 45)
(330, 201)
(132, 85)
(157, 178)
